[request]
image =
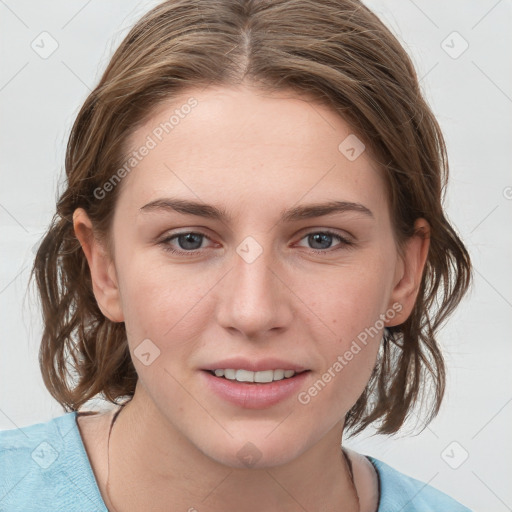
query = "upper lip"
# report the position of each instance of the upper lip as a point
(241, 363)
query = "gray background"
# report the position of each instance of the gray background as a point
(472, 98)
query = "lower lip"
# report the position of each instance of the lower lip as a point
(254, 395)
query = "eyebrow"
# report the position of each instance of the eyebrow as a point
(294, 214)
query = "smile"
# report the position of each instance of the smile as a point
(254, 390)
(262, 377)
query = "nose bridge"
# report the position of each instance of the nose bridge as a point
(252, 300)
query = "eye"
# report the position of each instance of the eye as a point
(324, 238)
(189, 243)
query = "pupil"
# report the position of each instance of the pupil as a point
(189, 238)
(318, 236)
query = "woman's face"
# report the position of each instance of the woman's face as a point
(262, 276)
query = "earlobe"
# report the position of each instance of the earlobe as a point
(101, 266)
(410, 271)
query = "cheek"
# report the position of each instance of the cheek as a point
(157, 297)
(350, 305)
(349, 298)
(348, 352)
(163, 312)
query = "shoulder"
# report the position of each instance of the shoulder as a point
(44, 466)
(402, 492)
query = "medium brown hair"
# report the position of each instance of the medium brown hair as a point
(336, 52)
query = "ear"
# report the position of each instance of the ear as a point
(409, 272)
(103, 273)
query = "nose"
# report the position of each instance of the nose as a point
(254, 298)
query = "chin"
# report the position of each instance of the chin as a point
(254, 451)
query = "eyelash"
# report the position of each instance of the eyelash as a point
(345, 243)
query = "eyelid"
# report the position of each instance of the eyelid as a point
(345, 242)
(343, 233)
(306, 231)
(166, 238)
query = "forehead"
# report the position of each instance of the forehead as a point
(250, 147)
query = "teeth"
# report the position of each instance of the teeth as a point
(279, 374)
(248, 376)
(230, 374)
(265, 376)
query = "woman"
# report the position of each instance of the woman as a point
(251, 261)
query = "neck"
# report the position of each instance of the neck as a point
(164, 467)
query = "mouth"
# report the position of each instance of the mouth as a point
(248, 389)
(250, 377)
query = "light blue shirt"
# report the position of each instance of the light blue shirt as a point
(44, 467)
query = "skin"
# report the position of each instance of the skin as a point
(254, 155)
